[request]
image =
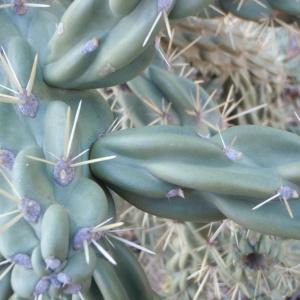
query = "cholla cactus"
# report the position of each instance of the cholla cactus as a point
(57, 227)
(59, 235)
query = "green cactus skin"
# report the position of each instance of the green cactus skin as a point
(152, 161)
(261, 11)
(121, 8)
(99, 59)
(50, 205)
(289, 7)
(249, 10)
(163, 98)
(107, 47)
(55, 219)
(184, 9)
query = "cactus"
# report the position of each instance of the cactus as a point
(259, 11)
(232, 262)
(59, 234)
(216, 178)
(160, 97)
(111, 51)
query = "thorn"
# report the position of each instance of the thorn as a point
(11, 223)
(92, 161)
(103, 223)
(9, 182)
(41, 160)
(104, 252)
(80, 154)
(186, 48)
(9, 89)
(10, 99)
(152, 28)
(86, 251)
(73, 129)
(67, 132)
(266, 201)
(36, 5)
(6, 5)
(32, 77)
(9, 214)
(161, 53)
(107, 227)
(166, 20)
(132, 244)
(80, 296)
(6, 271)
(9, 70)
